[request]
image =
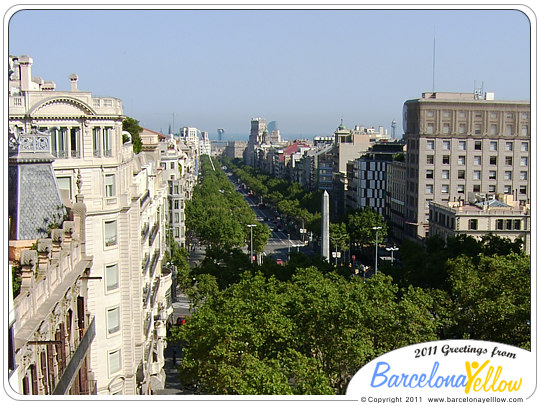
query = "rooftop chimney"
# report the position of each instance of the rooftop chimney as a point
(25, 65)
(73, 79)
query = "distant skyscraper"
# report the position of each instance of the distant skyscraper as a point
(272, 126)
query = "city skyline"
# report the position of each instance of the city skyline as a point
(306, 69)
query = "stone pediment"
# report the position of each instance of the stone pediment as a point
(61, 107)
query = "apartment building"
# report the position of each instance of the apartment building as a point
(481, 216)
(125, 198)
(459, 143)
(50, 327)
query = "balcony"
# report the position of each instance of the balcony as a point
(153, 233)
(75, 362)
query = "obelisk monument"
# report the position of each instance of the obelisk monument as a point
(325, 231)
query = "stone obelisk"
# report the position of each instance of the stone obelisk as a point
(325, 231)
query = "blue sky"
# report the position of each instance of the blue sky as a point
(306, 69)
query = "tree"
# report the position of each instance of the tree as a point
(360, 224)
(307, 335)
(132, 126)
(493, 297)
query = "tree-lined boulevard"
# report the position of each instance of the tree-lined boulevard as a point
(306, 326)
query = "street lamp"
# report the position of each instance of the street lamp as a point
(392, 250)
(376, 229)
(251, 250)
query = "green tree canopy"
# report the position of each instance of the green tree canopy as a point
(132, 126)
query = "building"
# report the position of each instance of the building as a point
(458, 143)
(366, 177)
(258, 128)
(480, 216)
(396, 196)
(235, 149)
(125, 196)
(50, 328)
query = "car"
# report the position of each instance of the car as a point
(279, 261)
(180, 321)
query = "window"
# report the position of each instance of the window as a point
(493, 146)
(113, 320)
(176, 204)
(491, 188)
(507, 189)
(523, 175)
(524, 116)
(109, 185)
(172, 165)
(509, 146)
(524, 161)
(510, 115)
(477, 174)
(493, 160)
(524, 146)
(110, 233)
(430, 128)
(508, 160)
(492, 175)
(429, 188)
(111, 277)
(493, 115)
(446, 128)
(477, 129)
(476, 188)
(75, 142)
(429, 159)
(525, 130)
(461, 160)
(445, 188)
(473, 224)
(430, 145)
(64, 184)
(478, 145)
(478, 160)
(462, 114)
(462, 128)
(446, 114)
(462, 145)
(114, 362)
(446, 174)
(461, 174)
(523, 190)
(508, 175)
(96, 141)
(509, 130)
(517, 224)
(430, 114)
(499, 224)
(446, 145)
(446, 159)
(429, 174)
(107, 142)
(461, 189)
(493, 129)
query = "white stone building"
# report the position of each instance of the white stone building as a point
(124, 196)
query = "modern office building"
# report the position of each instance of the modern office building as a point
(367, 175)
(458, 143)
(125, 199)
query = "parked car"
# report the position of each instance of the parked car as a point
(279, 261)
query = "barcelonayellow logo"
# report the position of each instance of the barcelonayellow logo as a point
(459, 367)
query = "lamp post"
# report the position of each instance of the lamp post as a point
(251, 250)
(376, 229)
(392, 250)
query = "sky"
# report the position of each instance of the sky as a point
(306, 69)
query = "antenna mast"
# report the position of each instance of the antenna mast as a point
(433, 61)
